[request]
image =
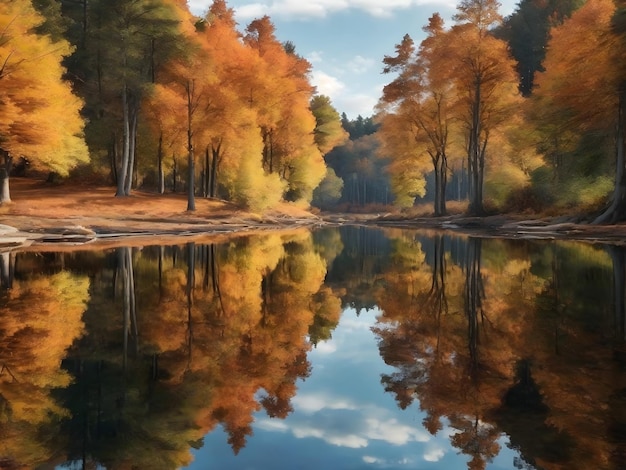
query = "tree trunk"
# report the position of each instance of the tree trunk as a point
(441, 180)
(132, 145)
(5, 170)
(474, 154)
(122, 174)
(191, 201)
(206, 174)
(617, 210)
(268, 151)
(174, 174)
(216, 152)
(161, 174)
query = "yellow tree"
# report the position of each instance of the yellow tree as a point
(232, 145)
(39, 115)
(281, 96)
(40, 318)
(409, 162)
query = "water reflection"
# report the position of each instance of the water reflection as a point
(450, 353)
(521, 344)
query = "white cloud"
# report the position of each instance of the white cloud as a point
(272, 425)
(326, 84)
(315, 57)
(393, 432)
(326, 347)
(303, 10)
(310, 404)
(370, 459)
(341, 423)
(355, 104)
(434, 454)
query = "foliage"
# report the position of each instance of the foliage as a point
(39, 115)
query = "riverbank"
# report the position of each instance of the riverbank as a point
(62, 215)
(69, 215)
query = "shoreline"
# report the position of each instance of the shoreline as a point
(44, 234)
(53, 217)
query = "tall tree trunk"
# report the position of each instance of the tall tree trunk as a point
(268, 150)
(122, 174)
(206, 173)
(174, 174)
(132, 145)
(474, 153)
(441, 179)
(191, 201)
(216, 152)
(161, 174)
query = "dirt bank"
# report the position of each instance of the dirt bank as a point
(57, 216)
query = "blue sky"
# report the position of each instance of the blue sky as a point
(345, 40)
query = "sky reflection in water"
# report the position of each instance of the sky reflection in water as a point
(343, 419)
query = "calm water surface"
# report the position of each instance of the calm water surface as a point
(338, 349)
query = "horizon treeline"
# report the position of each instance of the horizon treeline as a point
(523, 113)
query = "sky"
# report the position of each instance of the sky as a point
(345, 40)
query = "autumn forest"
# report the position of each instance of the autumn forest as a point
(515, 114)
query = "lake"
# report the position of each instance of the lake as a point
(342, 348)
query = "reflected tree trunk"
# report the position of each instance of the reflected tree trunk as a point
(7, 269)
(437, 295)
(126, 276)
(191, 268)
(474, 295)
(618, 256)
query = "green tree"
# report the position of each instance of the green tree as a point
(120, 47)
(329, 133)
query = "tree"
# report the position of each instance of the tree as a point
(120, 48)
(486, 85)
(329, 133)
(579, 106)
(281, 97)
(39, 115)
(329, 190)
(585, 104)
(421, 97)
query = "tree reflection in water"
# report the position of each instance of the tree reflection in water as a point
(529, 362)
(497, 342)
